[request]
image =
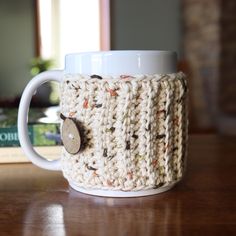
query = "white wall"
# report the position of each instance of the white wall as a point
(146, 24)
(16, 45)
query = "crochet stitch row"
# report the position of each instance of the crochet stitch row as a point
(133, 130)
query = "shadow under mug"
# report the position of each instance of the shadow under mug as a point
(138, 87)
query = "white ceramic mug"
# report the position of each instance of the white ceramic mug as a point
(109, 63)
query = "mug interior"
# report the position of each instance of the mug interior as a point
(115, 63)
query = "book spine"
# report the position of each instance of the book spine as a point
(39, 135)
(16, 155)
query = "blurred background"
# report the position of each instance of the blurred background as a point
(36, 35)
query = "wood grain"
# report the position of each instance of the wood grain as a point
(39, 202)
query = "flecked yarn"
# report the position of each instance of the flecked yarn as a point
(133, 130)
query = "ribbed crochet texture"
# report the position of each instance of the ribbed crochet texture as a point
(133, 129)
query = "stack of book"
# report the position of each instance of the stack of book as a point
(43, 130)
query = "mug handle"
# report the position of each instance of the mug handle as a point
(29, 91)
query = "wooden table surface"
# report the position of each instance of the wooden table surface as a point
(39, 202)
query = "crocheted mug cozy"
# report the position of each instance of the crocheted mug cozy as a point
(133, 130)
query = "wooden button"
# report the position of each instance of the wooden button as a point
(71, 136)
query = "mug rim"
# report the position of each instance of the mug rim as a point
(118, 62)
(130, 51)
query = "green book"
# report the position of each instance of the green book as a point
(43, 127)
